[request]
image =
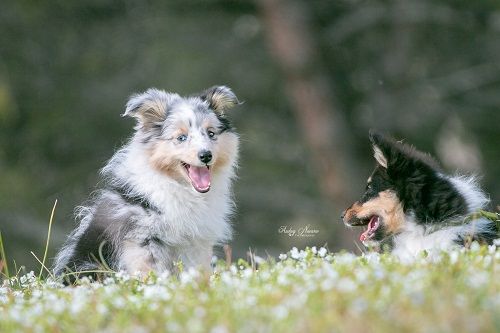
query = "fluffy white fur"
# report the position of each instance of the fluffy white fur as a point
(416, 238)
(192, 222)
(183, 224)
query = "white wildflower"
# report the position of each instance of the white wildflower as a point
(478, 279)
(199, 312)
(122, 276)
(294, 253)
(246, 273)
(454, 257)
(361, 275)
(345, 258)
(101, 309)
(327, 284)
(280, 312)
(155, 292)
(475, 247)
(219, 329)
(359, 306)
(282, 280)
(28, 278)
(346, 285)
(282, 256)
(322, 252)
(119, 302)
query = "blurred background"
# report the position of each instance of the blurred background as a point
(315, 77)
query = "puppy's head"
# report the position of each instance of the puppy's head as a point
(399, 185)
(188, 138)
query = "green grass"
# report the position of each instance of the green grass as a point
(306, 291)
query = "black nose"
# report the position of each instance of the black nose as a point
(205, 156)
(342, 215)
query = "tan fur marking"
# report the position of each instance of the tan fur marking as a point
(222, 102)
(352, 211)
(386, 205)
(167, 161)
(225, 150)
(162, 161)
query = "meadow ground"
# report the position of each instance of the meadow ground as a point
(309, 290)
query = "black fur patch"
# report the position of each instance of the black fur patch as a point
(379, 182)
(134, 199)
(152, 239)
(417, 181)
(225, 124)
(93, 251)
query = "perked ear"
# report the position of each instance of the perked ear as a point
(397, 156)
(381, 150)
(220, 99)
(149, 107)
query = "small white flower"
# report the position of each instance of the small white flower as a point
(282, 256)
(314, 250)
(280, 312)
(454, 257)
(246, 273)
(327, 284)
(475, 247)
(219, 329)
(322, 252)
(294, 253)
(346, 285)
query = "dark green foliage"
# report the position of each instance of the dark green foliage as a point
(427, 71)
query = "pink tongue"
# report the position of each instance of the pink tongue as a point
(368, 233)
(364, 236)
(200, 178)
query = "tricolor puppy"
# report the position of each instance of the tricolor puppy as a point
(166, 195)
(410, 205)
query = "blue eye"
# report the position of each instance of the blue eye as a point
(182, 138)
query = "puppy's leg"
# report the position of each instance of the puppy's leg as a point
(136, 258)
(199, 255)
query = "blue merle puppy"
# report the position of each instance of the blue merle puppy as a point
(166, 194)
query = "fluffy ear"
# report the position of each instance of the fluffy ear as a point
(149, 107)
(396, 156)
(381, 148)
(220, 99)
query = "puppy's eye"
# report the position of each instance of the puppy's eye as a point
(211, 134)
(182, 138)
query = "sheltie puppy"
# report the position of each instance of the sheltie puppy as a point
(166, 194)
(410, 205)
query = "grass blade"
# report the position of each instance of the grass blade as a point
(41, 263)
(48, 239)
(3, 257)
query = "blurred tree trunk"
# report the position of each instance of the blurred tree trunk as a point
(323, 126)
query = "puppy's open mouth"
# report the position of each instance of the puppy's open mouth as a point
(372, 226)
(199, 176)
